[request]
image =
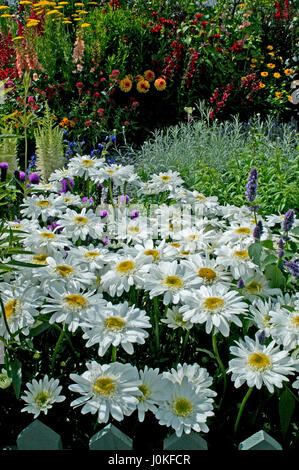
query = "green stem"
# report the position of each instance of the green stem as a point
(249, 391)
(156, 311)
(216, 352)
(113, 353)
(57, 349)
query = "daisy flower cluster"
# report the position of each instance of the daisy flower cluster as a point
(147, 289)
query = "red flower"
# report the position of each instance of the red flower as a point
(87, 123)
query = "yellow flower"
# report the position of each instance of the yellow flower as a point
(79, 4)
(288, 71)
(18, 37)
(276, 75)
(160, 84)
(271, 66)
(253, 60)
(149, 75)
(264, 74)
(6, 15)
(85, 25)
(63, 3)
(4, 7)
(278, 94)
(270, 48)
(67, 22)
(53, 12)
(78, 19)
(262, 85)
(272, 54)
(125, 84)
(138, 78)
(143, 86)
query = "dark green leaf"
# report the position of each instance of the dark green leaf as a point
(286, 408)
(14, 371)
(254, 252)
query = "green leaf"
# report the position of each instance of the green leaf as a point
(270, 259)
(255, 251)
(268, 244)
(274, 276)
(14, 371)
(286, 407)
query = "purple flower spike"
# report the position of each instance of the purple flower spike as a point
(22, 176)
(34, 178)
(252, 185)
(4, 166)
(124, 198)
(289, 219)
(293, 266)
(103, 214)
(240, 284)
(258, 230)
(134, 214)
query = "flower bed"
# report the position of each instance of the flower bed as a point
(163, 310)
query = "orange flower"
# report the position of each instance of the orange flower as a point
(262, 85)
(271, 66)
(149, 75)
(125, 84)
(270, 48)
(278, 94)
(288, 71)
(264, 74)
(138, 78)
(160, 84)
(143, 86)
(276, 75)
(271, 54)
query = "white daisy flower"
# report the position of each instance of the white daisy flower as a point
(85, 165)
(41, 206)
(259, 365)
(238, 232)
(45, 240)
(124, 272)
(168, 278)
(133, 230)
(258, 285)
(118, 174)
(80, 225)
(260, 315)
(285, 327)
(206, 270)
(185, 410)
(197, 375)
(216, 306)
(41, 395)
(116, 325)
(107, 389)
(63, 269)
(60, 174)
(70, 306)
(174, 319)
(195, 239)
(166, 181)
(69, 199)
(159, 251)
(237, 259)
(21, 304)
(153, 389)
(91, 256)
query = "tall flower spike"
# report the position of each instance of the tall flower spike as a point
(252, 185)
(288, 220)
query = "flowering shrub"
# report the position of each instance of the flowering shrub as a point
(143, 303)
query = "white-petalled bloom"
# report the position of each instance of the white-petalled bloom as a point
(45, 240)
(63, 269)
(168, 278)
(116, 325)
(60, 174)
(216, 306)
(21, 304)
(185, 410)
(260, 315)
(258, 285)
(285, 326)
(69, 199)
(85, 165)
(91, 257)
(259, 365)
(107, 389)
(174, 319)
(41, 395)
(237, 259)
(197, 375)
(80, 225)
(166, 181)
(70, 305)
(124, 272)
(158, 252)
(45, 207)
(153, 389)
(194, 239)
(240, 233)
(202, 204)
(133, 230)
(206, 270)
(118, 174)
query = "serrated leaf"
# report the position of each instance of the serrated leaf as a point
(286, 408)
(254, 251)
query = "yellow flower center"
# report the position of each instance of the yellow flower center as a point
(153, 253)
(175, 245)
(81, 220)
(174, 282)
(254, 287)
(124, 267)
(110, 172)
(11, 307)
(133, 229)
(146, 392)
(182, 407)
(42, 398)
(259, 361)
(64, 270)
(200, 198)
(207, 273)
(243, 230)
(43, 203)
(213, 303)
(76, 301)
(91, 254)
(40, 259)
(165, 178)
(185, 253)
(115, 323)
(104, 386)
(295, 321)
(47, 235)
(242, 254)
(193, 237)
(87, 162)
